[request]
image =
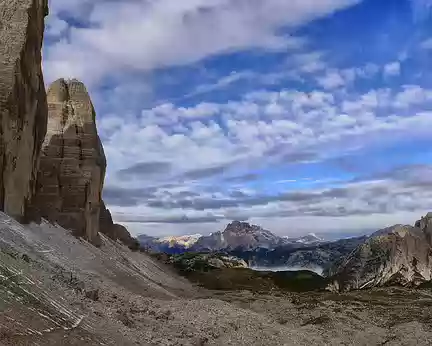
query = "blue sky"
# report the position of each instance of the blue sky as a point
(300, 115)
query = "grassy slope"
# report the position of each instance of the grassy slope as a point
(196, 269)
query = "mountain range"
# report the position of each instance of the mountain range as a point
(396, 255)
(237, 236)
(258, 247)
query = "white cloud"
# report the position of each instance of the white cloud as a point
(143, 35)
(257, 131)
(332, 80)
(412, 95)
(337, 78)
(396, 197)
(427, 44)
(172, 150)
(223, 82)
(189, 138)
(308, 62)
(392, 69)
(55, 27)
(368, 102)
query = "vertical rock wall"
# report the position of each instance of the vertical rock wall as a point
(23, 107)
(73, 164)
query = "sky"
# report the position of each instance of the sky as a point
(300, 116)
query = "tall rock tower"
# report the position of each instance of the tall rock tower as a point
(73, 164)
(23, 107)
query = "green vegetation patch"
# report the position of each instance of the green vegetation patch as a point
(196, 267)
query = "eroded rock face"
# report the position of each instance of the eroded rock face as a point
(400, 255)
(23, 107)
(238, 235)
(73, 164)
(115, 231)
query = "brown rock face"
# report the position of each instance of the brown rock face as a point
(115, 231)
(73, 164)
(23, 108)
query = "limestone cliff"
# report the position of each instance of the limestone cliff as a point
(116, 231)
(400, 255)
(23, 107)
(73, 164)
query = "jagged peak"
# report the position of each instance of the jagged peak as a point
(242, 225)
(58, 91)
(63, 90)
(77, 90)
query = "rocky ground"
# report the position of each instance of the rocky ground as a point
(57, 290)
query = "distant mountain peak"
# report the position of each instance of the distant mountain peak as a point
(238, 234)
(239, 226)
(310, 238)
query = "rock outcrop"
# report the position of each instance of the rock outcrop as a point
(23, 107)
(72, 164)
(115, 231)
(399, 255)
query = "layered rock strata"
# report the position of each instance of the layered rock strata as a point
(23, 106)
(399, 255)
(72, 164)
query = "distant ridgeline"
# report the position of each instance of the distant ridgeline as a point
(398, 255)
(258, 247)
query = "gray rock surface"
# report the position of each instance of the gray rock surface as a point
(238, 235)
(23, 107)
(399, 255)
(72, 165)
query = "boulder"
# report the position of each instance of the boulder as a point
(72, 164)
(23, 106)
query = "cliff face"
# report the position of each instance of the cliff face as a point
(72, 164)
(400, 255)
(115, 231)
(23, 107)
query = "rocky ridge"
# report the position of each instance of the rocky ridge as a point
(23, 106)
(399, 255)
(240, 236)
(317, 256)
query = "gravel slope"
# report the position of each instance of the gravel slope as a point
(57, 290)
